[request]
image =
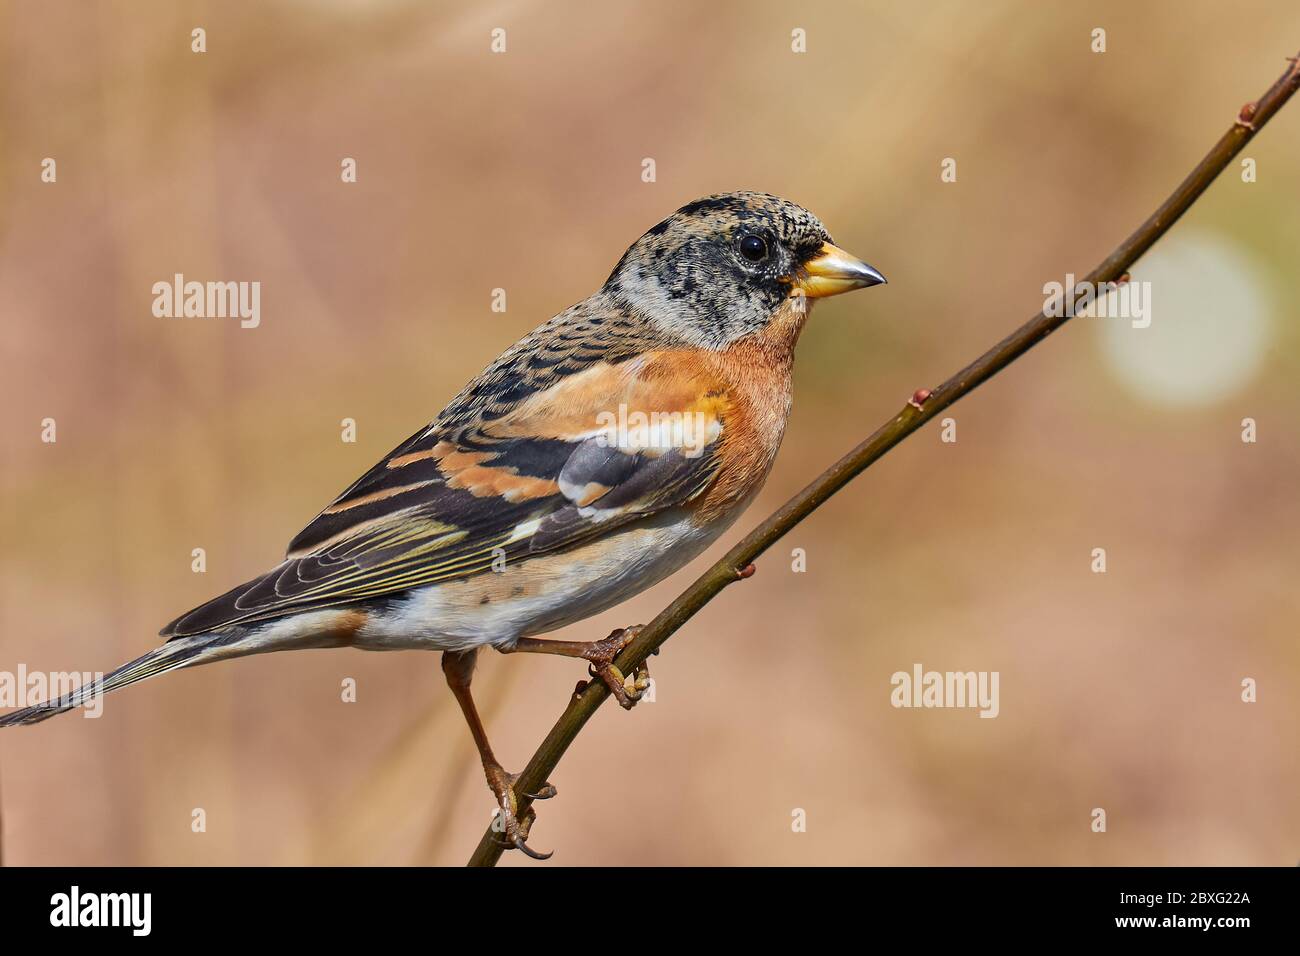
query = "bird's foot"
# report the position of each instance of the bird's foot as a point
(511, 823)
(601, 654)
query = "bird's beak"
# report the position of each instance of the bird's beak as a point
(833, 271)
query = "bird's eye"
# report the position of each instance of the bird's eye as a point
(753, 248)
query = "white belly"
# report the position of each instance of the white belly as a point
(543, 593)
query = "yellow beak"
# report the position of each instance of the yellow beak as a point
(833, 271)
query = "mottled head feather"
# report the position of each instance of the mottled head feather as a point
(689, 276)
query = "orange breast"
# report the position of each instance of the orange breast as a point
(753, 379)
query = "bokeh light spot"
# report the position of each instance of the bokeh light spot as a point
(1211, 323)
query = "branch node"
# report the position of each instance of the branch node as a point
(746, 572)
(919, 397)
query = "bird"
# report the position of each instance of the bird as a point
(596, 456)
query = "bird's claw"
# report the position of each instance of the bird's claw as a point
(600, 656)
(614, 679)
(513, 825)
(546, 791)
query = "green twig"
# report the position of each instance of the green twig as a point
(916, 413)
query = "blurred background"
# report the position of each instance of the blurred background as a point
(522, 171)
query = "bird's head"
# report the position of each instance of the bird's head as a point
(725, 266)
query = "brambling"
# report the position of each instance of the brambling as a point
(596, 456)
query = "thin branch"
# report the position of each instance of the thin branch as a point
(916, 413)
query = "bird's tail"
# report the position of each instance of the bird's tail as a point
(169, 657)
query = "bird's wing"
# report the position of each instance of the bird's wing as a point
(591, 451)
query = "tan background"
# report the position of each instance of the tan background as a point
(522, 171)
